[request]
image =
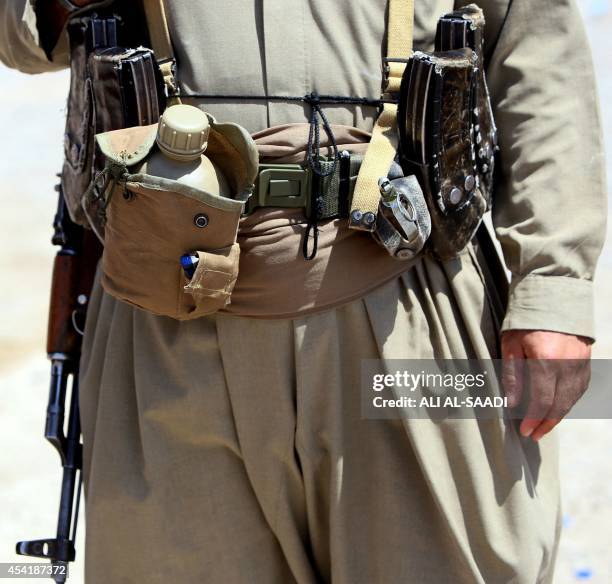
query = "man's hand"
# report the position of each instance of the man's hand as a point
(558, 377)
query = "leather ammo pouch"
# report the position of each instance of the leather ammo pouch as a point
(151, 222)
(447, 134)
(465, 28)
(110, 88)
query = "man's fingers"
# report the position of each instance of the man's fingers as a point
(572, 381)
(556, 373)
(544, 428)
(542, 388)
(513, 369)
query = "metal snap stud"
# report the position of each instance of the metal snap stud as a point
(356, 216)
(455, 196)
(200, 220)
(470, 183)
(369, 218)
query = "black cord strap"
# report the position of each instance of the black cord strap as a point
(322, 99)
(314, 100)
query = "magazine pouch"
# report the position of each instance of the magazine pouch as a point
(437, 144)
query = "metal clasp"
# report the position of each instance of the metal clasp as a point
(286, 186)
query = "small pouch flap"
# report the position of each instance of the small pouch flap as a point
(128, 146)
(231, 147)
(216, 273)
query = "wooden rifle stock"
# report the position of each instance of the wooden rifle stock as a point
(73, 276)
(62, 337)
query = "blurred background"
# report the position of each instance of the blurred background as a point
(32, 121)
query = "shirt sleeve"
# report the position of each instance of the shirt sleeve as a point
(550, 207)
(19, 47)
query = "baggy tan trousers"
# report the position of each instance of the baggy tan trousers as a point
(232, 450)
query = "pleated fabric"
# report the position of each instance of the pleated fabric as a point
(229, 449)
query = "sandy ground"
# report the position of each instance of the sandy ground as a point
(31, 118)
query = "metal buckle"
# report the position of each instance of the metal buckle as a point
(286, 186)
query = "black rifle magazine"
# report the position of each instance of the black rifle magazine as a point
(437, 143)
(126, 91)
(126, 88)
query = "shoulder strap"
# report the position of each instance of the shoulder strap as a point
(162, 45)
(383, 145)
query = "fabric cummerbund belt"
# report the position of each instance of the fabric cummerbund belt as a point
(291, 186)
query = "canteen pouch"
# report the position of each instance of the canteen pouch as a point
(150, 222)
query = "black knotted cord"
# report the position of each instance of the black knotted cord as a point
(314, 162)
(314, 100)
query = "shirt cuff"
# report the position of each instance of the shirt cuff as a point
(552, 303)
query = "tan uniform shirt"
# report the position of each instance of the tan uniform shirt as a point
(549, 210)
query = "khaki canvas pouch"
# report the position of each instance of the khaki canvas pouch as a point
(152, 221)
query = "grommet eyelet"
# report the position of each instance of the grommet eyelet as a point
(200, 220)
(404, 254)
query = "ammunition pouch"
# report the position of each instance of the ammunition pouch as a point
(110, 88)
(151, 222)
(465, 28)
(447, 132)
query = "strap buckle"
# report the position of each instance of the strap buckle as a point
(393, 70)
(286, 186)
(167, 68)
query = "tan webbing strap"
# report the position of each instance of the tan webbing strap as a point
(383, 145)
(162, 46)
(400, 28)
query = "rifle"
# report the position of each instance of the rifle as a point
(73, 276)
(110, 88)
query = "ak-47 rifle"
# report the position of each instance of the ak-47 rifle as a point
(111, 87)
(73, 275)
